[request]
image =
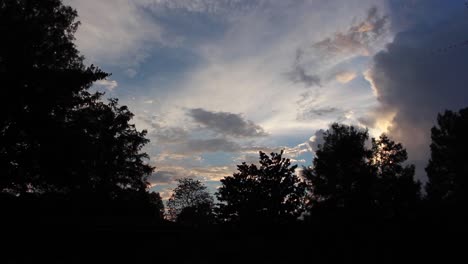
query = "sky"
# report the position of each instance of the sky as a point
(215, 81)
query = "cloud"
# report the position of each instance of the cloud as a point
(107, 84)
(358, 40)
(250, 154)
(213, 173)
(346, 76)
(170, 174)
(165, 177)
(316, 140)
(170, 134)
(209, 145)
(191, 150)
(296, 151)
(115, 32)
(413, 83)
(226, 123)
(217, 7)
(298, 73)
(331, 113)
(324, 111)
(358, 37)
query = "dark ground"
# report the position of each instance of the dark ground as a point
(141, 240)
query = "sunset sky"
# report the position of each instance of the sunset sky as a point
(215, 81)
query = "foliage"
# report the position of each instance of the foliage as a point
(156, 201)
(56, 136)
(395, 188)
(190, 199)
(341, 174)
(268, 193)
(448, 167)
(347, 174)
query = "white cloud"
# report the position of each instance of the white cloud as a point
(115, 32)
(107, 84)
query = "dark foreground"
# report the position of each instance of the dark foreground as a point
(141, 240)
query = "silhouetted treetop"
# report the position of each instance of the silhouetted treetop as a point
(395, 188)
(56, 136)
(190, 201)
(347, 174)
(341, 174)
(448, 167)
(38, 35)
(270, 193)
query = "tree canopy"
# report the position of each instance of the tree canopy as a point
(190, 202)
(55, 135)
(395, 188)
(341, 174)
(348, 174)
(267, 193)
(448, 167)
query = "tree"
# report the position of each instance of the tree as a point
(190, 202)
(448, 167)
(395, 188)
(56, 136)
(341, 175)
(268, 193)
(107, 154)
(158, 205)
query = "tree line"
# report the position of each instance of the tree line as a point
(346, 177)
(62, 145)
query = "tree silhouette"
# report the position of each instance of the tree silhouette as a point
(190, 202)
(341, 175)
(157, 202)
(346, 174)
(56, 136)
(270, 193)
(394, 188)
(448, 167)
(107, 151)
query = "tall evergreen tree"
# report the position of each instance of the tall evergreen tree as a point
(56, 136)
(448, 166)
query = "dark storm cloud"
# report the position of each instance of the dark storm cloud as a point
(226, 123)
(416, 83)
